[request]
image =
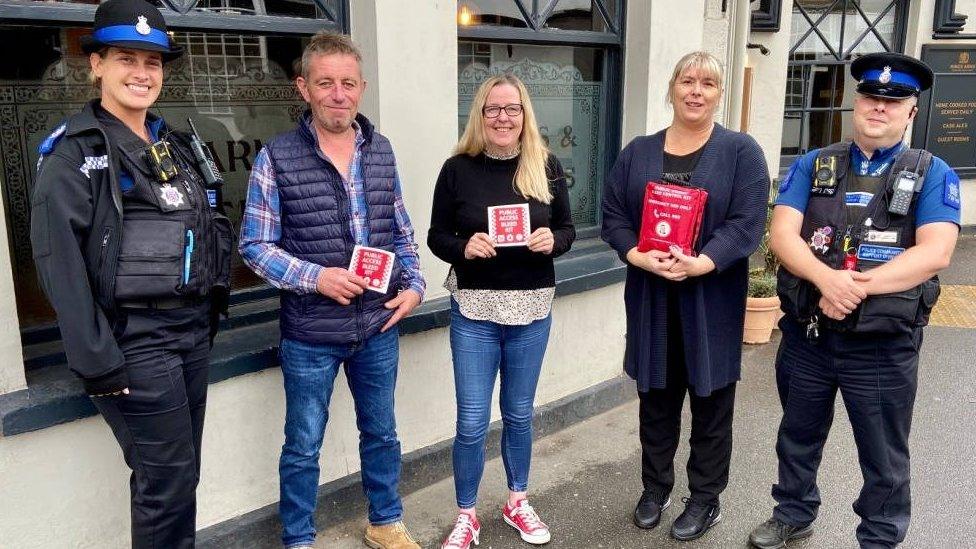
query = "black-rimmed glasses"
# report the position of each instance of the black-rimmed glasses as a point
(514, 109)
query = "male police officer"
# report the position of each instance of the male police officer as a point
(135, 261)
(861, 229)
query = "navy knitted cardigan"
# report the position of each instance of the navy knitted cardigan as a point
(712, 307)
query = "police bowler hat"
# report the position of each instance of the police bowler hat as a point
(891, 75)
(134, 24)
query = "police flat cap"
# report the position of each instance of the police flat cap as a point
(134, 24)
(892, 75)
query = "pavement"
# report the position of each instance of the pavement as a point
(586, 479)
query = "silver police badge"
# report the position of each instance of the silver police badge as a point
(171, 195)
(142, 25)
(885, 75)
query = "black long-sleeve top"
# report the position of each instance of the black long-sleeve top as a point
(465, 189)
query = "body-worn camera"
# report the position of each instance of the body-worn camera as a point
(161, 161)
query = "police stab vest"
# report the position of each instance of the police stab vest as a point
(842, 230)
(174, 243)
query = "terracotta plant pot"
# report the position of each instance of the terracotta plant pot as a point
(761, 316)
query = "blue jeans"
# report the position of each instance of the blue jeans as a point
(309, 373)
(481, 350)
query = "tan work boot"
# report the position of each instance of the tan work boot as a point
(389, 536)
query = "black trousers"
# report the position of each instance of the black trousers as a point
(711, 433)
(877, 379)
(159, 424)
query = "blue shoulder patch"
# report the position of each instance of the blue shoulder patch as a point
(784, 185)
(51, 141)
(950, 190)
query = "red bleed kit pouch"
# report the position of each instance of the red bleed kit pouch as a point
(672, 216)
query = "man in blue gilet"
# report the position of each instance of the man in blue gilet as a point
(316, 193)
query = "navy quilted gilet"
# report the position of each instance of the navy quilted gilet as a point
(315, 227)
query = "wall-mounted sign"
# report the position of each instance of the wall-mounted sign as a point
(946, 121)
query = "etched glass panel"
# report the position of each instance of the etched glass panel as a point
(568, 91)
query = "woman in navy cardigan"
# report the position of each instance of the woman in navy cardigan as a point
(685, 313)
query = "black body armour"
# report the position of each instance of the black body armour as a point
(872, 235)
(175, 244)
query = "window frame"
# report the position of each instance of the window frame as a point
(612, 44)
(841, 57)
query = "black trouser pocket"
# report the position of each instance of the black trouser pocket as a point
(151, 259)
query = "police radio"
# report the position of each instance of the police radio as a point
(906, 186)
(205, 161)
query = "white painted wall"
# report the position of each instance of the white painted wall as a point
(12, 364)
(769, 87)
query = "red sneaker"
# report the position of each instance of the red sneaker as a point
(523, 518)
(465, 532)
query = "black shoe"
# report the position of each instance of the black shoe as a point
(773, 534)
(696, 519)
(648, 512)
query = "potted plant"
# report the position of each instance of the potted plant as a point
(762, 303)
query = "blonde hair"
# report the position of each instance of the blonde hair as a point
(531, 180)
(328, 43)
(700, 60)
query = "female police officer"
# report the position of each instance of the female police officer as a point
(135, 260)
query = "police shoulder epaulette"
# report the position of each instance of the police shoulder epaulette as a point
(51, 141)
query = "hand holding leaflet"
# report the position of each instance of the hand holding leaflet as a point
(374, 265)
(508, 225)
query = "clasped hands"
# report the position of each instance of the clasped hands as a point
(672, 265)
(343, 286)
(841, 291)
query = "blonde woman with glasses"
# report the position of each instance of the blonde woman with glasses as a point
(501, 288)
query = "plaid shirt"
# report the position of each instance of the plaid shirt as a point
(261, 229)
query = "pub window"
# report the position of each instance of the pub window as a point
(568, 54)
(825, 36)
(234, 81)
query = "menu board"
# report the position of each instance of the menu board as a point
(946, 120)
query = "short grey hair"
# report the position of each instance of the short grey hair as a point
(328, 43)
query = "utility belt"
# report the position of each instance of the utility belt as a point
(883, 313)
